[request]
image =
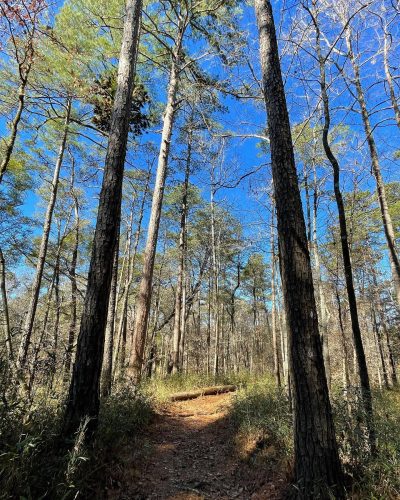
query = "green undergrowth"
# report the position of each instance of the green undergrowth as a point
(35, 463)
(377, 478)
(262, 421)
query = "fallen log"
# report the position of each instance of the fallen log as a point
(205, 391)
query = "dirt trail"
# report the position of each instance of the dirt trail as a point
(189, 454)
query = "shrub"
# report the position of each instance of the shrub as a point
(35, 463)
(376, 477)
(261, 412)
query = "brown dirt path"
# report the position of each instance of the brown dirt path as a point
(189, 453)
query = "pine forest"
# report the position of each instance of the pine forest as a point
(199, 249)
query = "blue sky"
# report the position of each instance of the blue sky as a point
(246, 117)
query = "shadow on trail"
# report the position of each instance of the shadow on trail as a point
(189, 453)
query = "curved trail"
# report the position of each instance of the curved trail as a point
(189, 454)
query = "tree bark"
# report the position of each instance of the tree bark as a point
(179, 317)
(273, 301)
(74, 291)
(14, 125)
(183, 323)
(83, 399)
(389, 77)
(123, 324)
(215, 279)
(344, 240)
(379, 343)
(323, 310)
(317, 466)
(107, 369)
(206, 391)
(392, 363)
(6, 314)
(346, 371)
(145, 290)
(56, 326)
(54, 284)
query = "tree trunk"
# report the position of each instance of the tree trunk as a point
(74, 292)
(317, 466)
(145, 289)
(232, 315)
(379, 343)
(183, 323)
(380, 186)
(179, 301)
(106, 377)
(346, 371)
(54, 285)
(30, 317)
(123, 324)
(215, 278)
(58, 302)
(323, 311)
(83, 400)
(392, 364)
(6, 314)
(389, 78)
(348, 270)
(273, 301)
(36, 351)
(209, 316)
(14, 125)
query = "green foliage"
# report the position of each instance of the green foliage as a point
(262, 410)
(121, 415)
(29, 461)
(375, 477)
(79, 45)
(308, 143)
(102, 98)
(34, 463)
(173, 200)
(255, 276)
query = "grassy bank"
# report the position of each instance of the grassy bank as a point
(263, 425)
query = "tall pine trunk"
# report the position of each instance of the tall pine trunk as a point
(74, 292)
(123, 323)
(145, 289)
(344, 240)
(179, 299)
(106, 378)
(83, 399)
(273, 301)
(30, 316)
(323, 310)
(6, 314)
(389, 77)
(317, 466)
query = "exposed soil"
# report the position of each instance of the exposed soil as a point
(189, 452)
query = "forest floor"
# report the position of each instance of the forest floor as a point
(190, 452)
